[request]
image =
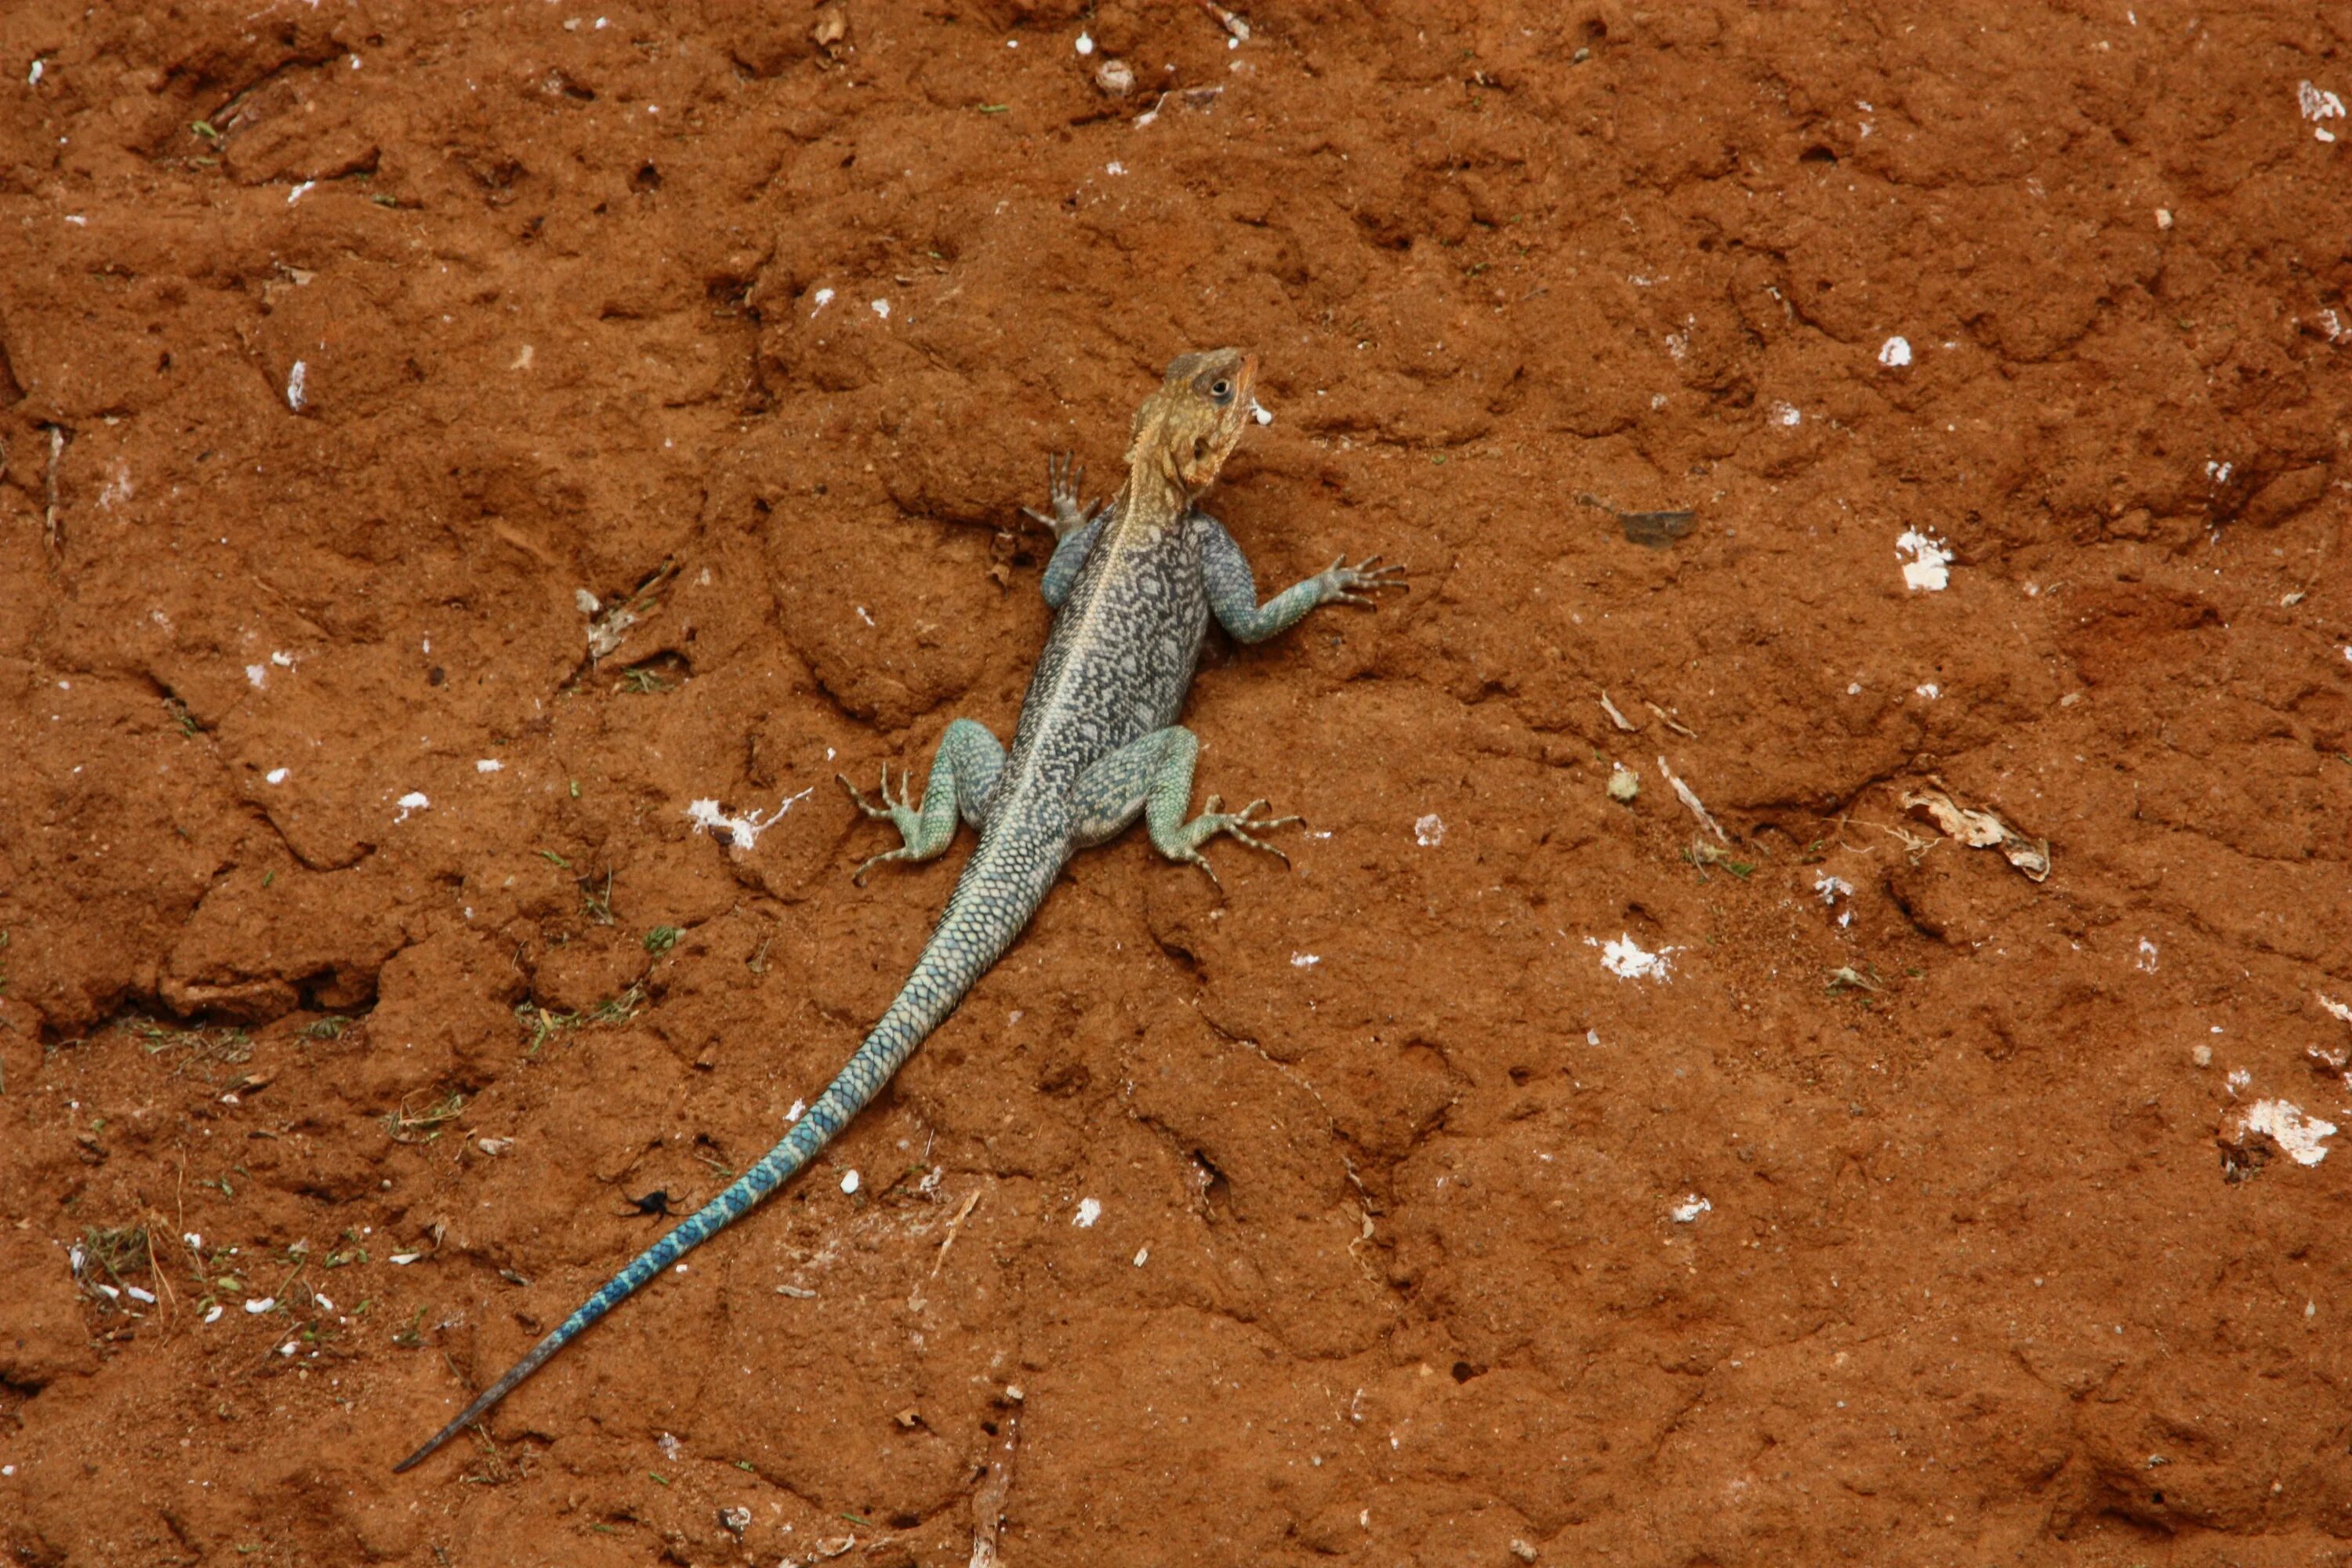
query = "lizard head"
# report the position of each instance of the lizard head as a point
(1187, 429)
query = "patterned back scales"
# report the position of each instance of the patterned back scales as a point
(1094, 749)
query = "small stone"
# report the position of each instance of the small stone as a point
(2202, 1056)
(1116, 77)
(1623, 783)
(1523, 1551)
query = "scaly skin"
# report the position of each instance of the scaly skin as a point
(1133, 587)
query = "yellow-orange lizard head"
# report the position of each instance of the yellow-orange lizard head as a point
(1188, 427)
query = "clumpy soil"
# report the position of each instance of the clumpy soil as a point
(444, 444)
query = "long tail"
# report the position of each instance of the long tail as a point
(993, 902)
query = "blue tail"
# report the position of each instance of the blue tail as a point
(983, 917)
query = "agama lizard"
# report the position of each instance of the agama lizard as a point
(1133, 586)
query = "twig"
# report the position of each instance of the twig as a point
(49, 524)
(915, 1300)
(162, 1280)
(1616, 718)
(1227, 20)
(1682, 793)
(988, 1501)
(1665, 719)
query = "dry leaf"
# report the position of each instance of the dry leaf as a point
(1980, 829)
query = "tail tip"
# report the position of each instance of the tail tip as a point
(424, 1453)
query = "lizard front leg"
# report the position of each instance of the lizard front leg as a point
(1076, 526)
(964, 772)
(1232, 586)
(1152, 777)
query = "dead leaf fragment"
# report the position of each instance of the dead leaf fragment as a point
(1689, 797)
(1980, 829)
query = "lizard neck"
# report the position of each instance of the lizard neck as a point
(1154, 501)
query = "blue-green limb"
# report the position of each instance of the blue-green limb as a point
(1151, 777)
(964, 772)
(1232, 586)
(1075, 524)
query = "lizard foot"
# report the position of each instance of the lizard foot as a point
(1342, 581)
(1238, 824)
(895, 810)
(1065, 476)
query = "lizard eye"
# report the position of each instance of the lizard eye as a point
(1221, 391)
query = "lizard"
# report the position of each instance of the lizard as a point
(1132, 583)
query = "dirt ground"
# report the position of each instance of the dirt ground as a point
(1524, 1175)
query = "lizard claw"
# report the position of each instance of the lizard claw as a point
(871, 861)
(1240, 821)
(858, 799)
(1065, 476)
(1238, 824)
(1340, 580)
(894, 809)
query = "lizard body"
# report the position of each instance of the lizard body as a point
(1133, 587)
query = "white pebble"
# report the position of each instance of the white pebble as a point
(277, 776)
(296, 382)
(260, 1306)
(214, 1316)
(849, 1181)
(1089, 1211)
(1929, 568)
(1085, 46)
(488, 765)
(1895, 353)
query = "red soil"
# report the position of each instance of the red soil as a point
(1387, 1269)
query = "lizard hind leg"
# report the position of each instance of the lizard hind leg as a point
(1151, 777)
(962, 784)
